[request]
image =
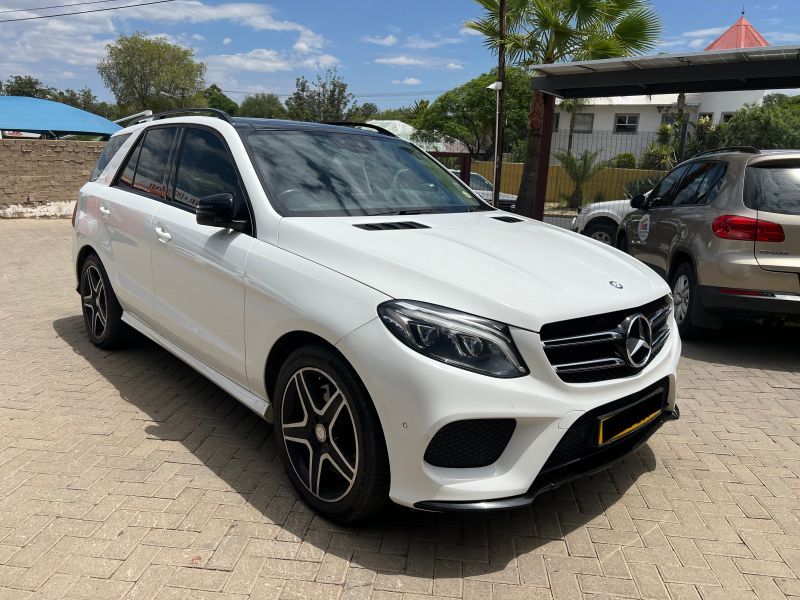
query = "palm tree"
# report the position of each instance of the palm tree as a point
(548, 31)
(579, 169)
(573, 106)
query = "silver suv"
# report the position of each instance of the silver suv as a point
(723, 228)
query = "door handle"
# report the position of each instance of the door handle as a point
(163, 234)
(104, 211)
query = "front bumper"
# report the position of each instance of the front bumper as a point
(415, 397)
(767, 305)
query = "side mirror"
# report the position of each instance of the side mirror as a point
(217, 211)
(638, 201)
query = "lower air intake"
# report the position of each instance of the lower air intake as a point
(470, 443)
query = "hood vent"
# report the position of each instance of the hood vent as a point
(391, 225)
(508, 219)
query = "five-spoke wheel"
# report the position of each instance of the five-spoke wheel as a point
(102, 313)
(320, 434)
(329, 435)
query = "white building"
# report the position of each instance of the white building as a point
(610, 124)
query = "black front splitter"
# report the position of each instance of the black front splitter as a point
(549, 481)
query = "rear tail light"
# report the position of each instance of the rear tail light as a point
(734, 227)
(74, 213)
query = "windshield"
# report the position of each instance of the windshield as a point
(320, 173)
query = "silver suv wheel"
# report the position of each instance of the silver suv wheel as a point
(680, 295)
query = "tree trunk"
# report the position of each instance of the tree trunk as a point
(572, 116)
(530, 171)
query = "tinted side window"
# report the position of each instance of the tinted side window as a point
(662, 194)
(205, 168)
(687, 192)
(773, 187)
(476, 182)
(711, 185)
(153, 159)
(129, 167)
(112, 147)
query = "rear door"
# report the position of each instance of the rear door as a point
(772, 188)
(198, 270)
(125, 217)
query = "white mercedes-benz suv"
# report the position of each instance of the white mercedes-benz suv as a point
(407, 341)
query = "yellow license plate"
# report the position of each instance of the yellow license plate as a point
(623, 422)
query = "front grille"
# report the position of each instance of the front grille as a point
(469, 443)
(593, 348)
(580, 440)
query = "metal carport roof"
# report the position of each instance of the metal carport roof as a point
(771, 67)
(763, 68)
(19, 113)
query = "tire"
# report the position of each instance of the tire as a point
(102, 314)
(329, 436)
(622, 242)
(684, 294)
(602, 232)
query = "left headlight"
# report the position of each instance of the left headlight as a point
(453, 337)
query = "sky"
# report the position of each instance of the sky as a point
(389, 53)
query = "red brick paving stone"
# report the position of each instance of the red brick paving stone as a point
(127, 474)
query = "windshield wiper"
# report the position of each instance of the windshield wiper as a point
(409, 211)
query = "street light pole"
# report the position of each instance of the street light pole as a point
(501, 101)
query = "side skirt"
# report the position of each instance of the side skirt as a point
(246, 397)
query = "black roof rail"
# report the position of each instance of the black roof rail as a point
(376, 128)
(177, 112)
(746, 149)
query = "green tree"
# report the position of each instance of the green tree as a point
(324, 99)
(548, 31)
(773, 125)
(25, 85)
(362, 112)
(150, 73)
(579, 169)
(467, 113)
(215, 98)
(263, 106)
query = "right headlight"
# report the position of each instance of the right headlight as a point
(453, 337)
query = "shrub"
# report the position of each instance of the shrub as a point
(640, 186)
(626, 160)
(658, 157)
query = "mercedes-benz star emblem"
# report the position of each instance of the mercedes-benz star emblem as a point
(638, 340)
(616, 284)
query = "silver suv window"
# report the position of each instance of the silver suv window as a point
(773, 187)
(111, 148)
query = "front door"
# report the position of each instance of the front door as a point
(198, 270)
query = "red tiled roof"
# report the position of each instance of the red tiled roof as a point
(740, 35)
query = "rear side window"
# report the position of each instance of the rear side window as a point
(145, 170)
(112, 147)
(205, 168)
(700, 185)
(773, 187)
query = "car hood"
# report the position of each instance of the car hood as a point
(611, 205)
(523, 273)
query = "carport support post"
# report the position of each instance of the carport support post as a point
(544, 156)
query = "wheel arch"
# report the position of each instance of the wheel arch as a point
(680, 256)
(83, 253)
(604, 220)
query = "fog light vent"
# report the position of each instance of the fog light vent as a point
(469, 443)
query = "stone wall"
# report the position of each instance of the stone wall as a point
(42, 177)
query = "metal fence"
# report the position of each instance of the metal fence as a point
(591, 168)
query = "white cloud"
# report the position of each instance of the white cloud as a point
(420, 43)
(226, 41)
(403, 60)
(782, 37)
(407, 81)
(387, 40)
(264, 60)
(696, 39)
(198, 38)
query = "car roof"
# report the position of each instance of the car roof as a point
(256, 124)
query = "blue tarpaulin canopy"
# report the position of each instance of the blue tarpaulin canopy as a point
(18, 113)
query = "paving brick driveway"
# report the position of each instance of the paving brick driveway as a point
(128, 475)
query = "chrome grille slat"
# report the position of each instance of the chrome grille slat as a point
(592, 348)
(589, 365)
(580, 340)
